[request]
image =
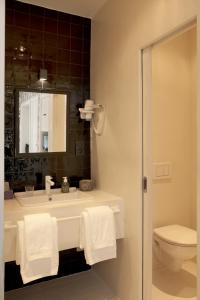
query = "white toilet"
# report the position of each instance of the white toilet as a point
(173, 244)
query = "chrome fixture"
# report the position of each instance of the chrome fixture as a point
(48, 184)
(43, 75)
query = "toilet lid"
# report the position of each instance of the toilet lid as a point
(177, 235)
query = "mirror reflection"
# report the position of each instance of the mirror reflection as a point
(42, 122)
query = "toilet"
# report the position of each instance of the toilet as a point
(174, 244)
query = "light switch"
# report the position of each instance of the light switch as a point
(162, 170)
(79, 148)
(159, 171)
(166, 170)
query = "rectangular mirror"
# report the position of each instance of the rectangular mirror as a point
(41, 122)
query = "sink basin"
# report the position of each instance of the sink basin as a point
(38, 198)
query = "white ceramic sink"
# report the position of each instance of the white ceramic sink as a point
(38, 198)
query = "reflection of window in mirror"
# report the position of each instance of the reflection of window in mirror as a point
(42, 122)
(45, 142)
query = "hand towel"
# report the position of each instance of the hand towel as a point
(35, 265)
(38, 236)
(97, 234)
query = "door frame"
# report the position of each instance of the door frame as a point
(146, 164)
(2, 88)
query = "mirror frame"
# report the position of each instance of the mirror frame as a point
(16, 125)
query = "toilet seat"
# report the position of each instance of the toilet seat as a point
(177, 235)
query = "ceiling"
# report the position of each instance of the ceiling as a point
(84, 8)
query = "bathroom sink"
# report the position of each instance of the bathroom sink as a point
(38, 198)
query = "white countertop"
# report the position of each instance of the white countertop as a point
(68, 215)
(13, 211)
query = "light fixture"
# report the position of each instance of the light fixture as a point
(22, 48)
(43, 75)
(20, 52)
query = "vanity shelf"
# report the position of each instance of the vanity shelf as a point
(68, 216)
(9, 225)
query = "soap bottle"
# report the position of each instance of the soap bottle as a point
(65, 185)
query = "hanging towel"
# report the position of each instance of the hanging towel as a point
(37, 247)
(97, 234)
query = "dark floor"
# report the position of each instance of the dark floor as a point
(70, 262)
(83, 286)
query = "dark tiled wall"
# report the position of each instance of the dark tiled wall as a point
(60, 43)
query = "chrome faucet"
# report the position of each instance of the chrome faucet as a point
(48, 183)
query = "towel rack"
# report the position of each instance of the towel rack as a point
(12, 226)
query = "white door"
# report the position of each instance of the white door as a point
(147, 136)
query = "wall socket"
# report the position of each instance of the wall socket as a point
(80, 148)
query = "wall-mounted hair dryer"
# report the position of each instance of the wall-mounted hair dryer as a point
(88, 111)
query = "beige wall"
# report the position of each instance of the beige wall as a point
(119, 30)
(174, 129)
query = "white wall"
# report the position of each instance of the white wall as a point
(174, 128)
(2, 58)
(119, 30)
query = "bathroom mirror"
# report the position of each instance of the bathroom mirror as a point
(41, 121)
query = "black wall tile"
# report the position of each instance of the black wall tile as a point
(56, 41)
(51, 25)
(36, 22)
(63, 28)
(9, 17)
(37, 10)
(76, 44)
(77, 30)
(21, 19)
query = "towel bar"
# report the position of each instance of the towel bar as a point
(12, 226)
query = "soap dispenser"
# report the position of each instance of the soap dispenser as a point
(65, 185)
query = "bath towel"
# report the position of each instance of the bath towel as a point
(37, 247)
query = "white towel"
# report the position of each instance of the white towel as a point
(37, 257)
(38, 236)
(97, 234)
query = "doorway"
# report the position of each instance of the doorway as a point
(169, 166)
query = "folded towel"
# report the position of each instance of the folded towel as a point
(38, 236)
(33, 263)
(97, 234)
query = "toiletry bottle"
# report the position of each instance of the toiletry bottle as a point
(65, 185)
